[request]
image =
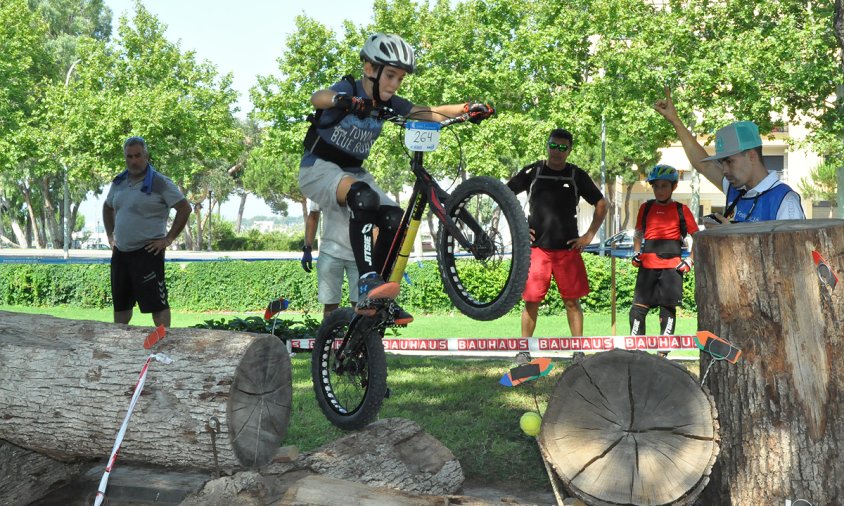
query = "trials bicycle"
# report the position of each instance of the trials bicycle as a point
(483, 254)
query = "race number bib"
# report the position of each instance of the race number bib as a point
(421, 135)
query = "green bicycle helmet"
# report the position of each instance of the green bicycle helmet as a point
(665, 172)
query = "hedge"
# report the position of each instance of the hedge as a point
(248, 286)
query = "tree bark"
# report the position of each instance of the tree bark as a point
(628, 427)
(780, 405)
(197, 212)
(65, 387)
(25, 476)
(27, 197)
(628, 189)
(51, 222)
(240, 209)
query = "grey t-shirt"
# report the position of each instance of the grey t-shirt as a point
(140, 217)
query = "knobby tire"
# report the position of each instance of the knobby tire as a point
(485, 288)
(350, 399)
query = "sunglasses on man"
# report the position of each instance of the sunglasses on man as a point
(560, 147)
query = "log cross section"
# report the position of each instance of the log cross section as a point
(628, 427)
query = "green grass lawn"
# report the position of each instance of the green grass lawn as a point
(457, 400)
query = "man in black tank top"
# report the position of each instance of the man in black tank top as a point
(554, 189)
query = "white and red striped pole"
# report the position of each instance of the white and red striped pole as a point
(153, 338)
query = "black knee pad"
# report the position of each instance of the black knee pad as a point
(638, 314)
(667, 320)
(389, 218)
(362, 197)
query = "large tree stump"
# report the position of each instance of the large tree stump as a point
(780, 406)
(65, 386)
(627, 427)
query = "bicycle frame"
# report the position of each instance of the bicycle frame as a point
(425, 191)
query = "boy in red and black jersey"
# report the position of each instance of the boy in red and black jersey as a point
(663, 224)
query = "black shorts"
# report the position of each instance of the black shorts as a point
(138, 276)
(658, 287)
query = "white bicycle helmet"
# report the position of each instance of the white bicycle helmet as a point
(389, 49)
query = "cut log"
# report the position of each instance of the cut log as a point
(26, 476)
(325, 491)
(780, 405)
(627, 427)
(393, 452)
(391, 461)
(65, 386)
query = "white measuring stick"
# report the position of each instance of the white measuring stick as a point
(160, 357)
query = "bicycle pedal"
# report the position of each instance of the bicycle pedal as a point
(374, 304)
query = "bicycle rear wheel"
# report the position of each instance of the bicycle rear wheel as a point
(485, 281)
(349, 393)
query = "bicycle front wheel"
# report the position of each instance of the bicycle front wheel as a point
(350, 392)
(487, 279)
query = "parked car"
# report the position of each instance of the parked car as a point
(620, 245)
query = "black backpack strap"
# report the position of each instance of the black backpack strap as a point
(539, 165)
(648, 205)
(684, 231)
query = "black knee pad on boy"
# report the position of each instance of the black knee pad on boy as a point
(638, 315)
(363, 203)
(667, 320)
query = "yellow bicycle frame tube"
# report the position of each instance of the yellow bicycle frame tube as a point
(407, 241)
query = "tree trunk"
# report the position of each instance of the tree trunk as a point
(780, 405)
(25, 476)
(50, 215)
(628, 427)
(19, 232)
(65, 387)
(239, 223)
(74, 212)
(838, 29)
(197, 213)
(27, 197)
(628, 190)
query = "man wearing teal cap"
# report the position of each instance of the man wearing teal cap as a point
(754, 193)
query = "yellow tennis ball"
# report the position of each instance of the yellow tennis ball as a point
(530, 423)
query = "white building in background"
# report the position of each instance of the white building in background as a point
(263, 226)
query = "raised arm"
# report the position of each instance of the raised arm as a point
(694, 151)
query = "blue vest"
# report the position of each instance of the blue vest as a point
(761, 207)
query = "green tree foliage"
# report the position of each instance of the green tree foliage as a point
(143, 84)
(71, 96)
(578, 64)
(23, 36)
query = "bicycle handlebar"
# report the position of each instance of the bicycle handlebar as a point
(390, 114)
